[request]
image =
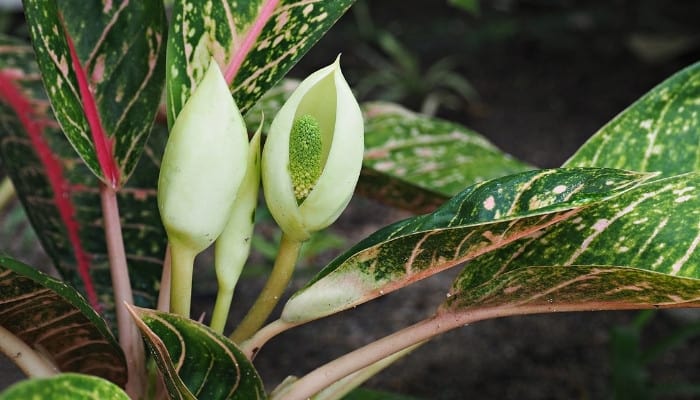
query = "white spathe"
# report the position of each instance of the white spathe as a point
(326, 96)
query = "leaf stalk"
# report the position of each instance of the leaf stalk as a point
(252, 346)
(342, 367)
(31, 362)
(129, 337)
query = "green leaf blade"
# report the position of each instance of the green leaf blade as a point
(482, 218)
(46, 313)
(102, 65)
(196, 362)
(65, 387)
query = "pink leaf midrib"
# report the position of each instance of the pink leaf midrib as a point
(266, 11)
(22, 107)
(104, 146)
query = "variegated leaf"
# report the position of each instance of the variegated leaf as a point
(415, 161)
(102, 64)
(654, 226)
(255, 43)
(61, 196)
(50, 315)
(659, 132)
(196, 362)
(545, 289)
(657, 225)
(264, 111)
(64, 387)
(482, 218)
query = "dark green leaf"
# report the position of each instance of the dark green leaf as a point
(65, 387)
(482, 218)
(255, 42)
(102, 64)
(61, 196)
(195, 361)
(50, 315)
(654, 226)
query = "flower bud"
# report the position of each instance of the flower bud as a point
(203, 165)
(313, 154)
(232, 248)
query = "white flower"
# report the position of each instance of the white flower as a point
(313, 154)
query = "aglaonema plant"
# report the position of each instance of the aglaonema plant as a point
(123, 205)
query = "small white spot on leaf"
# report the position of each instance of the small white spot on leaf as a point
(307, 10)
(490, 203)
(559, 189)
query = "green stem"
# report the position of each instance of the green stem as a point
(129, 337)
(7, 192)
(182, 266)
(224, 297)
(273, 290)
(33, 364)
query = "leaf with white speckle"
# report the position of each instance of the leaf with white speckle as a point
(102, 65)
(545, 289)
(483, 218)
(659, 132)
(417, 162)
(255, 42)
(654, 227)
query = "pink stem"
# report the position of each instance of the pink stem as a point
(129, 337)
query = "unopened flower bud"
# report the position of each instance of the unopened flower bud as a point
(203, 165)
